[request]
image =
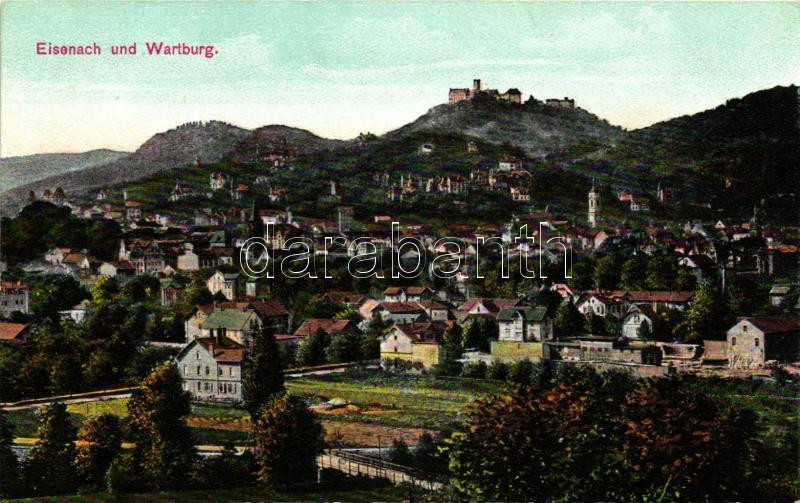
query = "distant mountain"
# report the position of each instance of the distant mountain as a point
(535, 127)
(19, 170)
(732, 156)
(177, 147)
(281, 140)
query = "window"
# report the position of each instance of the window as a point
(198, 354)
(744, 328)
(219, 371)
(208, 370)
(733, 341)
(198, 386)
(198, 370)
(230, 371)
(757, 341)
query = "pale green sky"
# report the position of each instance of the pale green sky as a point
(344, 67)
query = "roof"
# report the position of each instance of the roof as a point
(431, 304)
(13, 285)
(82, 305)
(230, 319)
(74, 258)
(264, 308)
(344, 297)
(328, 325)
(402, 307)
(780, 290)
(494, 305)
(775, 324)
(429, 332)
(11, 331)
(417, 290)
(529, 313)
(655, 296)
(227, 352)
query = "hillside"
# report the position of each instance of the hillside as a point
(171, 149)
(731, 156)
(19, 170)
(534, 127)
(282, 140)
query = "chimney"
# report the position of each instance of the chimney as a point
(220, 335)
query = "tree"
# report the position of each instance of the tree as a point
(474, 337)
(9, 465)
(520, 372)
(346, 347)
(164, 444)
(661, 273)
(632, 276)
(497, 371)
(312, 351)
(606, 274)
(475, 370)
(288, 440)
(55, 293)
(197, 293)
(568, 322)
(744, 297)
(587, 436)
(596, 325)
(400, 454)
(48, 468)
(104, 291)
(706, 317)
(262, 376)
(101, 440)
(226, 470)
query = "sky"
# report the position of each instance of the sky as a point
(340, 68)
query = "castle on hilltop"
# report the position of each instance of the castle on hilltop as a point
(513, 95)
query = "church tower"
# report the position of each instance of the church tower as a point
(594, 205)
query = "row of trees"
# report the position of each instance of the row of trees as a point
(287, 434)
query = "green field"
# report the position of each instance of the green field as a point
(420, 401)
(382, 401)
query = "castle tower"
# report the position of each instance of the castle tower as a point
(476, 85)
(594, 205)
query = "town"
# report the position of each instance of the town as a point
(114, 290)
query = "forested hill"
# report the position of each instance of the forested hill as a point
(732, 156)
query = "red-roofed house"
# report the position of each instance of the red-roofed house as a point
(211, 368)
(330, 326)
(401, 312)
(417, 343)
(14, 333)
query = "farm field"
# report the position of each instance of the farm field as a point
(376, 406)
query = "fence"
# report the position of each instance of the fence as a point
(354, 464)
